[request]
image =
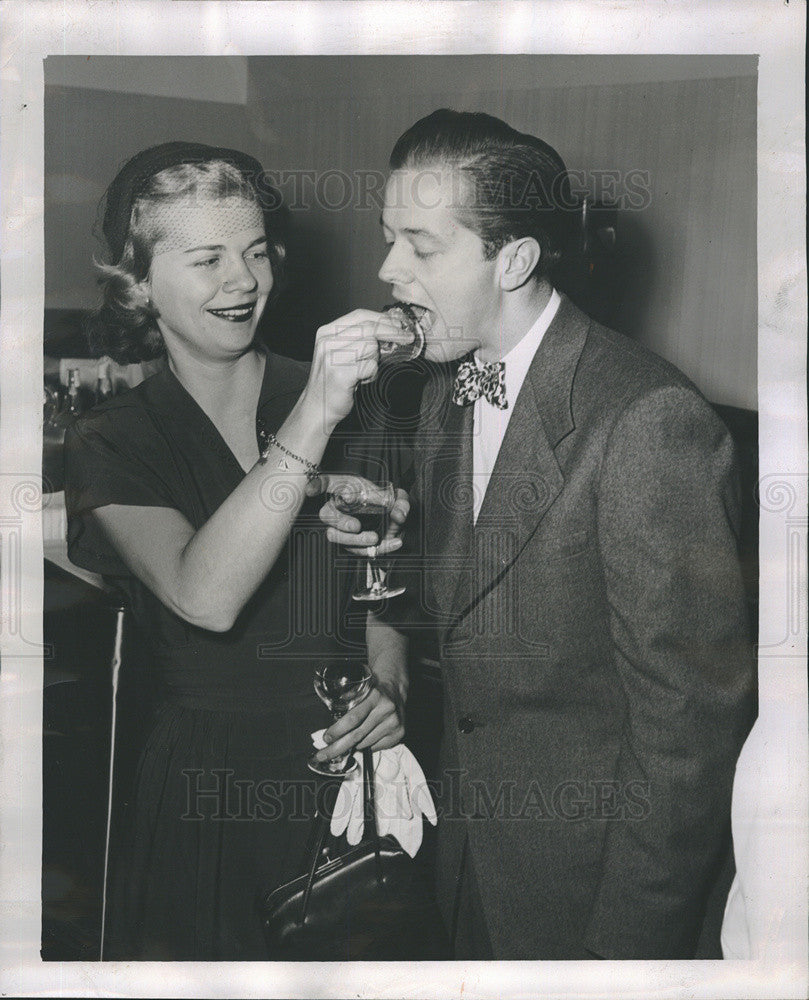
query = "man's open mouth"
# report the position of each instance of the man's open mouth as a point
(235, 314)
(419, 316)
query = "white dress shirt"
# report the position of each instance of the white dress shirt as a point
(490, 424)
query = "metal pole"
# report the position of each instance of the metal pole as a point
(116, 668)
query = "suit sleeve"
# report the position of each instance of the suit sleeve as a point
(667, 517)
(408, 613)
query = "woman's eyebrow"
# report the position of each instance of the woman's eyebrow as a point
(221, 246)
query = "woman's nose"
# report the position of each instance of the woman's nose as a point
(394, 270)
(238, 276)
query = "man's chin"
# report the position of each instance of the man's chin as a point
(446, 351)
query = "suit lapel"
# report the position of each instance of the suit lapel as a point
(434, 412)
(448, 521)
(526, 478)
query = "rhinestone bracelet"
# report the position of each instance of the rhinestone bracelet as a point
(312, 471)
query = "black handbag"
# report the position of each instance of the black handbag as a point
(368, 902)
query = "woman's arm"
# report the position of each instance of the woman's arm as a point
(208, 575)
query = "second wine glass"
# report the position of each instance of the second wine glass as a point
(371, 507)
(341, 684)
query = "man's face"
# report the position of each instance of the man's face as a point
(435, 262)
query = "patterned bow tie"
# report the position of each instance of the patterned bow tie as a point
(474, 381)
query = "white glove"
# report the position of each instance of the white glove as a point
(400, 793)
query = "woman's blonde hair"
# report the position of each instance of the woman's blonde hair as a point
(125, 327)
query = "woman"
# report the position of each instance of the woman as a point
(185, 490)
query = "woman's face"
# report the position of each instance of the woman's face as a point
(210, 276)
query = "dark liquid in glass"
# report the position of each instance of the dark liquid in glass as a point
(372, 516)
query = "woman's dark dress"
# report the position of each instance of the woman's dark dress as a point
(235, 709)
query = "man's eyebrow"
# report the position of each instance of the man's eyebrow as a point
(421, 232)
(412, 231)
(221, 246)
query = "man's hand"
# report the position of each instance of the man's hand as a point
(378, 721)
(343, 529)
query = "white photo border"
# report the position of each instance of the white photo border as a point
(774, 763)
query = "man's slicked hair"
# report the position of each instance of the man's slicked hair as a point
(516, 185)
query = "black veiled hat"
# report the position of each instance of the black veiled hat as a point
(133, 176)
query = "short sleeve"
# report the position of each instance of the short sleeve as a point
(105, 463)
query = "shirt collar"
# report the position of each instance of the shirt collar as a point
(519, 358)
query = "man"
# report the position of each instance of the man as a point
(576, 508)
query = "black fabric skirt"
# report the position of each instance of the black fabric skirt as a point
(221, 812)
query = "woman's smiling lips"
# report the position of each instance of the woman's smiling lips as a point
(235, 314)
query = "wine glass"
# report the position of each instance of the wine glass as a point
(371, 506)
(340, 685)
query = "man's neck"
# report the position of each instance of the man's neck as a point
(521, 309)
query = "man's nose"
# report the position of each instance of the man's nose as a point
(394, 270)
(238, 276)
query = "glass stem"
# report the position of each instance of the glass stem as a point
(376, 576)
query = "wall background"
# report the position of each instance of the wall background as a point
(688, 255)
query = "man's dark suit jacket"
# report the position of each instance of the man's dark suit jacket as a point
(593, 640)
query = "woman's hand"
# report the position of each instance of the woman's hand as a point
(343, 529)
(345, 354)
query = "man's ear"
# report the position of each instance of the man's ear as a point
(518, 260)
